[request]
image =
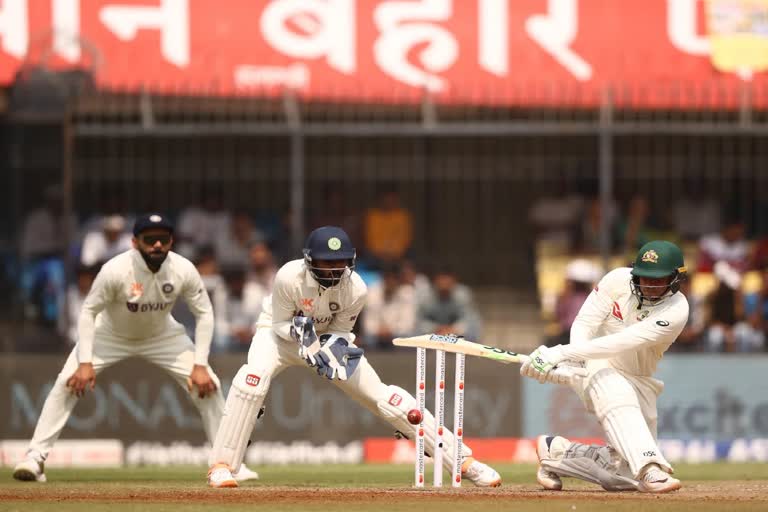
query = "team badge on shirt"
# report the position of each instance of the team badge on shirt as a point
(137, 289)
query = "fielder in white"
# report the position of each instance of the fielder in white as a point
(621, 332)
(128, 313)
(308, 320)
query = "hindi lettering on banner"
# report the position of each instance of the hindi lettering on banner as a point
(487, 51)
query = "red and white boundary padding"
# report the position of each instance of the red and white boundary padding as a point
(458, 419)
(421, 391)
(439, 417)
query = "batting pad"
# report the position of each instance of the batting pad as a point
(246, 396)
(618, 410)
(395, 411)
(595, 464)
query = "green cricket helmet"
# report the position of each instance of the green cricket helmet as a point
(655, 260)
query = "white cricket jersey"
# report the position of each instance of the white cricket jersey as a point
(611, 326)
(130, 302)
(296, 293)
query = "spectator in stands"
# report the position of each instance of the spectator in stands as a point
(580, 277)
(236, 324)
(208, 267)
(555, 217)
(262, 268)
(388, 230)
(449, 307)
(756, 317)
(41, 250)
(233, 244)
(336, 211)
(696, 213)
(589, 239)
(44, 228)
(112, 239)
(420, 282)
(690, 339)
(76, 293)
(728, 245)
(727, 331)
(199, 225)
(391, 310)
(637, 229)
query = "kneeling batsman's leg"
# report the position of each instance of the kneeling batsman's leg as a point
(597, 464)
(246, 396)
(618, 410)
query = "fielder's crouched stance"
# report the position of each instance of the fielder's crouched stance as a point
(128, 313)
(621, 332)
(308, 320)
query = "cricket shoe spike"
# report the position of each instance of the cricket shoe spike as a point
(220, 476)
(482, 475)
(656, 480)
(31, 469)
(547, 479)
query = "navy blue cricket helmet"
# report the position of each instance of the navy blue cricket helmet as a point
(329, 243)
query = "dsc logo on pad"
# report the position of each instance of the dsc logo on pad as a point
(252, 380)
(395, 400)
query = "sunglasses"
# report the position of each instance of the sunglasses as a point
(153, 239)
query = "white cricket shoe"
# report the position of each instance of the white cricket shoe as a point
(31, 469)
(245, 473)
(656, 480)
(482, 475)
(547, 479)
(220, 476)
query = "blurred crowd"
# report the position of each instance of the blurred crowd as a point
(238, 254)
(727, 285)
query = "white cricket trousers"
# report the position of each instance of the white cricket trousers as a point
(173, 352)
(269, 355)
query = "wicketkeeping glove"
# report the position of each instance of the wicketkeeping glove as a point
(303, 331)
(337, 359)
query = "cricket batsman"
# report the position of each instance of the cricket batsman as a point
(128, 313)
(307, 321)
(621, 333)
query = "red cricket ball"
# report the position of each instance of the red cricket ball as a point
(414, 417)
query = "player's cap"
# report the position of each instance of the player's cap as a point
(329, 243)
(152, 221)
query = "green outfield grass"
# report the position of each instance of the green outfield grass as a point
(709, 487)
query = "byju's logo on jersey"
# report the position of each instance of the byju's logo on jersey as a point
(135, 307)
